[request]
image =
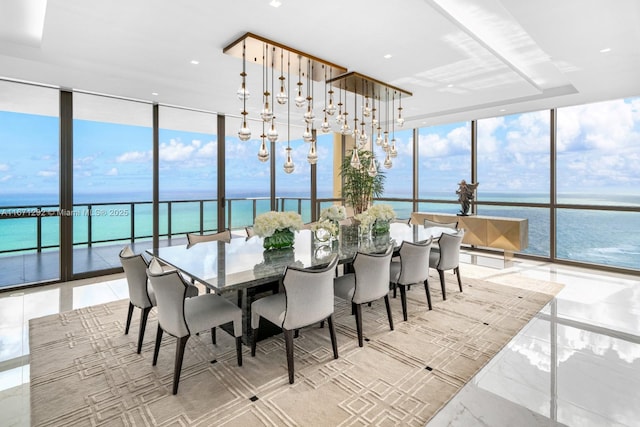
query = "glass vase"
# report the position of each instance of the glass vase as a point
(380, 228)
(279, 240)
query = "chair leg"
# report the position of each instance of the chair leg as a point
(180, 345)
(359, 323)
(254, 340)
(444, 291)
(332, 333)
(296, 334)
(457, 271)
(353, 309)
(156, 349)
(129, 315)
(322, 324)
(239, 350)
(386, 302)
(426, 288)
(288, 341)
(403, 299)
(143, 325)
(395, 290)
(213, 335)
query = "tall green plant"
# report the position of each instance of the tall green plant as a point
(359, 189)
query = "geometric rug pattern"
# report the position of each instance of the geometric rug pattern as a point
(85, 371)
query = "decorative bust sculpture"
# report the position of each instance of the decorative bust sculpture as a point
(465, 194)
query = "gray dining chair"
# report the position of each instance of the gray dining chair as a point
(141, 293)
(181, 317)
(307, 299)
(366, 284)
(413, 268)
(447, 258)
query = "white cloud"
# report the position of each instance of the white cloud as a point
(6, 178)
(176, 151)
(112, 172)
(209, 150)
(47, 174)
(4, 167)
(134, 157)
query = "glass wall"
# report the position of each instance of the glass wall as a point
(112, 175)
(598, 165)
(293, 191)
(248, 182)
(514, 167)
(444, 158)
(29, 183)
(188, 171)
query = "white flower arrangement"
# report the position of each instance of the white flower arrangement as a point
(333, 213)
(268, 223)
(330, 226)
(381, 212)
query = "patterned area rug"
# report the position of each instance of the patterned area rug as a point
(85, 371)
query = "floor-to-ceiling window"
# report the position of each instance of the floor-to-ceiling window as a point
(112, 178)
(444, 159)
(188, 171)
(514, 168)
(29, 183)
(598, 183)
(399, 178)
(247, 179)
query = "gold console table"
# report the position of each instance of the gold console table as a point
(509, 234)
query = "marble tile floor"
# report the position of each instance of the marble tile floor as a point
(577, 363)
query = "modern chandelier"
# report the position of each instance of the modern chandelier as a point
(305, 71)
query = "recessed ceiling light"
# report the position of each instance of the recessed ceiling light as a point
(195, 62)
(605, 50)
(503, 110)
(387, 56)
(450, 85)
(275, 3)
(154, 93)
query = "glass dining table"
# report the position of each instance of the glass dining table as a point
(243, 266)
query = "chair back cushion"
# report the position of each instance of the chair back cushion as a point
(429, 223)
(170, 291)
(309, 295)
(414, 262)
(450, 250)
(135, 272)
(371, 276)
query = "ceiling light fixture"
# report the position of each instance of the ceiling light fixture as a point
(275, 3)
(195, 62)
(605, 50)
(388, 56)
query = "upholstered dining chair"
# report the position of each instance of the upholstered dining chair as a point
(413, 268)
(429, 223)
(447, 258)
(366, 284)
(181, 317)
(193, 238)
(141, 294)
(308, 298)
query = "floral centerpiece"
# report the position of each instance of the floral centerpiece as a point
(329, 220)
(325, 230)
(277, 228)
(376, 219)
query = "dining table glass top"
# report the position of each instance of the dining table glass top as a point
(243, 262)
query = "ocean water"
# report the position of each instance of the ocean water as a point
(601, 237)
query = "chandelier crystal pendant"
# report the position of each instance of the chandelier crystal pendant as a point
(393, 152)
(288, 164)
(312, 157)
(299, 99)
(355, 159)
(400, 120)
(373, 166)
(325, 127)
(282, 96)
(263, 153)
(266, 114)
(244, 134)
(272, 133)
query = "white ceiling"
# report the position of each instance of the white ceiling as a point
(462, 59)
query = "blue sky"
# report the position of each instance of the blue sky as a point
(598, 151)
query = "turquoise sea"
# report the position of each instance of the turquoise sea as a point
(594, 236)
